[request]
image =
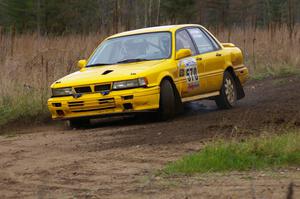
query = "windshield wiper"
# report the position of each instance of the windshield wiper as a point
(132, 60)
(120, 62)
(99, 64)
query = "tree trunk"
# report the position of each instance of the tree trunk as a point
(291, 19)
(38, 14)
(116, 17)
(150, 13)
(146, 13)
(158, 13)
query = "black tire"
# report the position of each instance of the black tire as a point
(167, 108)
(228, 93)
(79, 123)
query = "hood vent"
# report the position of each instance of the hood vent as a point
(107, 72)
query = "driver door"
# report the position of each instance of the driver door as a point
(190, 68)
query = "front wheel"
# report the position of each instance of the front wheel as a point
(228, 93)
(167, 108)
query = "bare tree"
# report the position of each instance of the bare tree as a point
(158, 12)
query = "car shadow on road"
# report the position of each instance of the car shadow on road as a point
(190, 109)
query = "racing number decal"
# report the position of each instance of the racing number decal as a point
(191, 72)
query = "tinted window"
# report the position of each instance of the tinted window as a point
(184, 41)
(204, 44)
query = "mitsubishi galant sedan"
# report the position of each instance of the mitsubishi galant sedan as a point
(150, 70)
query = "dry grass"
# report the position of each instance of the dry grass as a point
(29, 64)
(273, 52)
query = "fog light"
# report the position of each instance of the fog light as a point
(127, 106)
(60, 113)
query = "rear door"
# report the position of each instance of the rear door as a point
(210, 57)
(188, 68)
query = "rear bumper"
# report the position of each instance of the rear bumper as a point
(242, 73)
(93, 105)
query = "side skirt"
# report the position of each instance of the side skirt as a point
(198, 97)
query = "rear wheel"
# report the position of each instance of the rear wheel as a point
(167, 101)
(79, 123)
(228, 93)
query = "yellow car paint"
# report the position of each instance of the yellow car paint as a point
(210, 70)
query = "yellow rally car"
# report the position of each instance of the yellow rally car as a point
(150, 69)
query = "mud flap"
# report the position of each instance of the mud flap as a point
(239, 87)
(178, 102)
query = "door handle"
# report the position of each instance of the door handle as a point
(199, 59)
(218, 54)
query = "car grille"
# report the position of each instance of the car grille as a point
(76, 104)
(86, 89)
(89, 89)
(91, 105)
(104, 87)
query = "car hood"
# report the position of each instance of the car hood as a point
(102, 74)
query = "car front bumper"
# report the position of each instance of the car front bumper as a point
(96, 104)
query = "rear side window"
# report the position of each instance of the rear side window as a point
(216, 45)
(184, 41)
(204, 44)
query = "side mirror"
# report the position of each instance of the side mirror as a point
(183, 53)
(81, 64)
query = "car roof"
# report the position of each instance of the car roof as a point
(169, 28)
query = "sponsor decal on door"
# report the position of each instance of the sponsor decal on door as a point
(191, 72)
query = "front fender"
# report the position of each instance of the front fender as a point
(164, 75)
(169, 70)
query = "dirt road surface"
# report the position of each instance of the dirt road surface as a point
(119, 158)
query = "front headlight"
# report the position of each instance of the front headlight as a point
(57, 92)
(127, 84)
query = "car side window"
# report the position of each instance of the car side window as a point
(216, 45)
(184, 41)
(203, 43)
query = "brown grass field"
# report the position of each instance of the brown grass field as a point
(30, 63)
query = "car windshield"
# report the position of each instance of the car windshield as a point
(133, 48)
